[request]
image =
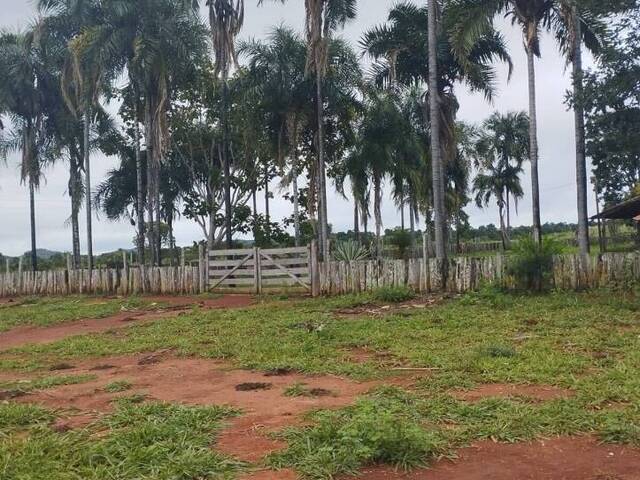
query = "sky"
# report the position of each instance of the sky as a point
(555, 131)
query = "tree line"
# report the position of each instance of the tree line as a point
(205, 122)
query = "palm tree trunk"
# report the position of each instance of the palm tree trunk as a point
(581, 161)
(156, 201)
(508, 197)
(322, 187)
(32, 210)
(412, 228)
(436, 151)
(75, 181)
(296, 206)
(267, 209)
(226, 162)
(87, 172)
(356, 220)
(377, 211)
(533, 147)
(150, 182)
(139, 190)
(503, 228)
(402, 214)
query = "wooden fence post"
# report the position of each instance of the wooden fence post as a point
(182, 259)
(124, 280)
(315, 269)
(425, 259)
(201, 267)
(8, 266)
(257, 270)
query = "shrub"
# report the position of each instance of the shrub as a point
(350, 251)
(401, 239)
(532, 264)
(393, 294)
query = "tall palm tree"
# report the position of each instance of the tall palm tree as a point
(434, 116)
(226, 18)
(26, 86)
(473, 17)
(409, 35)
(323, 18)
(506, 135)
(494, 180)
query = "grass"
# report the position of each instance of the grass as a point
(48, 311)
(397, 294)
(588, 343)
(118, 386)
(142, 441)
(18, 387)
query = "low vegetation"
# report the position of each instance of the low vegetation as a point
(583, 344)
(43, 312)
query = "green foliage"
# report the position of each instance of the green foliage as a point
(145, 441)
(393, 294)
(43, 383)
(369, 432)
(401, 239)
(45, 311)
(118, 386)
(531, 264)
(350, 251)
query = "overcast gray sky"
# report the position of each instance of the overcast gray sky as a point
(557, 157)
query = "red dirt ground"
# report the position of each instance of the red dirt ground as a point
(32, 334)
(566, 458)
(204, 382)
(491, 390)
(270, 475)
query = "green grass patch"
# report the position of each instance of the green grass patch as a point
(18, 387)
(118, 386)
(46, 311)
(396, 294)
(143, 441)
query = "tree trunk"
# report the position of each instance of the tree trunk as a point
(377, 211)
(412, 228)
(323, 229)
(75, 182)
(267, 210)
(581, 161)
(32, 210)
(402, 214)
(600, 229)
(228, 213)
(158, 219)
(508, 197)
(296, 206)
(140, 192)
(356, 220)
(503, 227)
(533, 147)
(150, 183)
(87, 173)
(436, 151)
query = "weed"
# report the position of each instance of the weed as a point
(393, 294)
(118, 386)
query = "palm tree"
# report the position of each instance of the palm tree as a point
(157, 42)
(474, 17)
(26, 87)
(506, 135)
(323, 18)
(225, 19)
(276, 70)
(407, 32)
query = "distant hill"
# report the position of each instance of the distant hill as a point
(43, 253)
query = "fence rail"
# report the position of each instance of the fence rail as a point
(570, 272)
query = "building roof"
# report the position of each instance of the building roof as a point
(629, 209)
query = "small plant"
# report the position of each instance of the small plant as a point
(393, 294)
(500, 351)
(532, 263)
(297, 389)
(118, 386)
(350, 251)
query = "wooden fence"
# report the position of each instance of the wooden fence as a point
(570, 272)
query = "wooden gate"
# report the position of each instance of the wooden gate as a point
(258, 269)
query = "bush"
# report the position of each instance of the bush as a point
(350, 251)
(393, 294)
(532, 264)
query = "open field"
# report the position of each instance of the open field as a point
(485, 385)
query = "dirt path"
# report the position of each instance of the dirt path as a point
(40, 335)
(565, 458)
(261, 397)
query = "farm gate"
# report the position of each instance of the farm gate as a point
(257, 269)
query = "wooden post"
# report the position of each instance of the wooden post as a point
(8, 266)
(257, 270)
(182, 257)
(201, 267)
(425, 259)
(315, 269)
(20, 275)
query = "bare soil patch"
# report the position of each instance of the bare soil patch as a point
(566, 458)
(177, 305)
(270, 475)
(206, 382)
(503, 390)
